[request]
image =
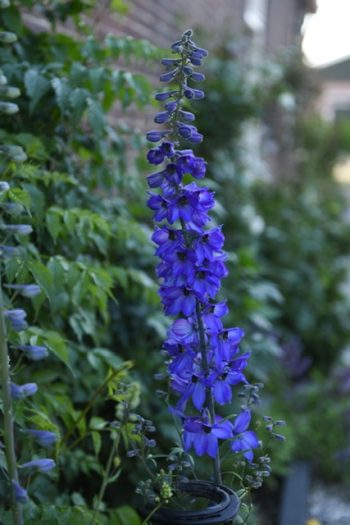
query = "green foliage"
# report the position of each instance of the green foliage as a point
(65, 155)
(289, 242)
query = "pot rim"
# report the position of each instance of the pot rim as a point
(225, 508)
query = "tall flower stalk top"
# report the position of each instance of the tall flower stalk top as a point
(205, 362)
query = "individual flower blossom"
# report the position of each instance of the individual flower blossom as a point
(22, 391)
(27, 290)
(182, 331)
(245, 440)
(44, 438)
(21, 229)
(190, 384)
(195, 166)
(4, 186)
(21, 495)
(203, 436)
(34, 352)
(16, 317)
(42, 465)
(8, 251)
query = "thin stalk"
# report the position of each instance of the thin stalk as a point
(90, 404)
(9, 438)
(153, 511)
(203, 347)
(105, 480)
(204, 355)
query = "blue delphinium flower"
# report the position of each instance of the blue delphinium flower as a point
(245, 440)
(44, 438)
(34, 352)
(204, 357)
(42, 465)
(27, 290)
(21, 495)
(17, 318)
(23, 391)
(20, 229)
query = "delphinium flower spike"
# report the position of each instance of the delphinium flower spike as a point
(204, 357)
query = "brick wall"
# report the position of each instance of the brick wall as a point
(161, 21)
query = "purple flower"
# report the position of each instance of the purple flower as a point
(195, 94)
(195, 166)
(170, 61)
(165, 95)
(203, 436)
(182, 331)
(186, 116)
(226, 343)
(21, 495)
(197, 77)
(34, 352)
(22, 391)
(27, 290)
(16, 317)
(170, 75)
(178, 300)
(209, 245)
(162, 117)
(155, 156)
(189, 385)
(8, 251)
(21, 229)
(204, 361)
(155, 136)
(245, 440)
(42, 465)
(4, 186)
(44, 438)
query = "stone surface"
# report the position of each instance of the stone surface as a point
(330, 505)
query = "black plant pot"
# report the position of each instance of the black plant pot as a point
(223, 506)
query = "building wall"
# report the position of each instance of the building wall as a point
(335, 96)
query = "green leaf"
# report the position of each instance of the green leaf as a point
(20, 197)
(120, 6)
(77, 100)
(62, 92)
(43, 278)
(125, 515)
(36, 87)
(96, 117)
(33, 146)
(54, 222)
(97, 442)
(53, 340)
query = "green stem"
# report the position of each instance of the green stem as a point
(89, 405)
(205, 368)
(146, 520)
(105, 479)
(210, 397)
(9, 438)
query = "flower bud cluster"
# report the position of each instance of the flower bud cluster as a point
(205, 361)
